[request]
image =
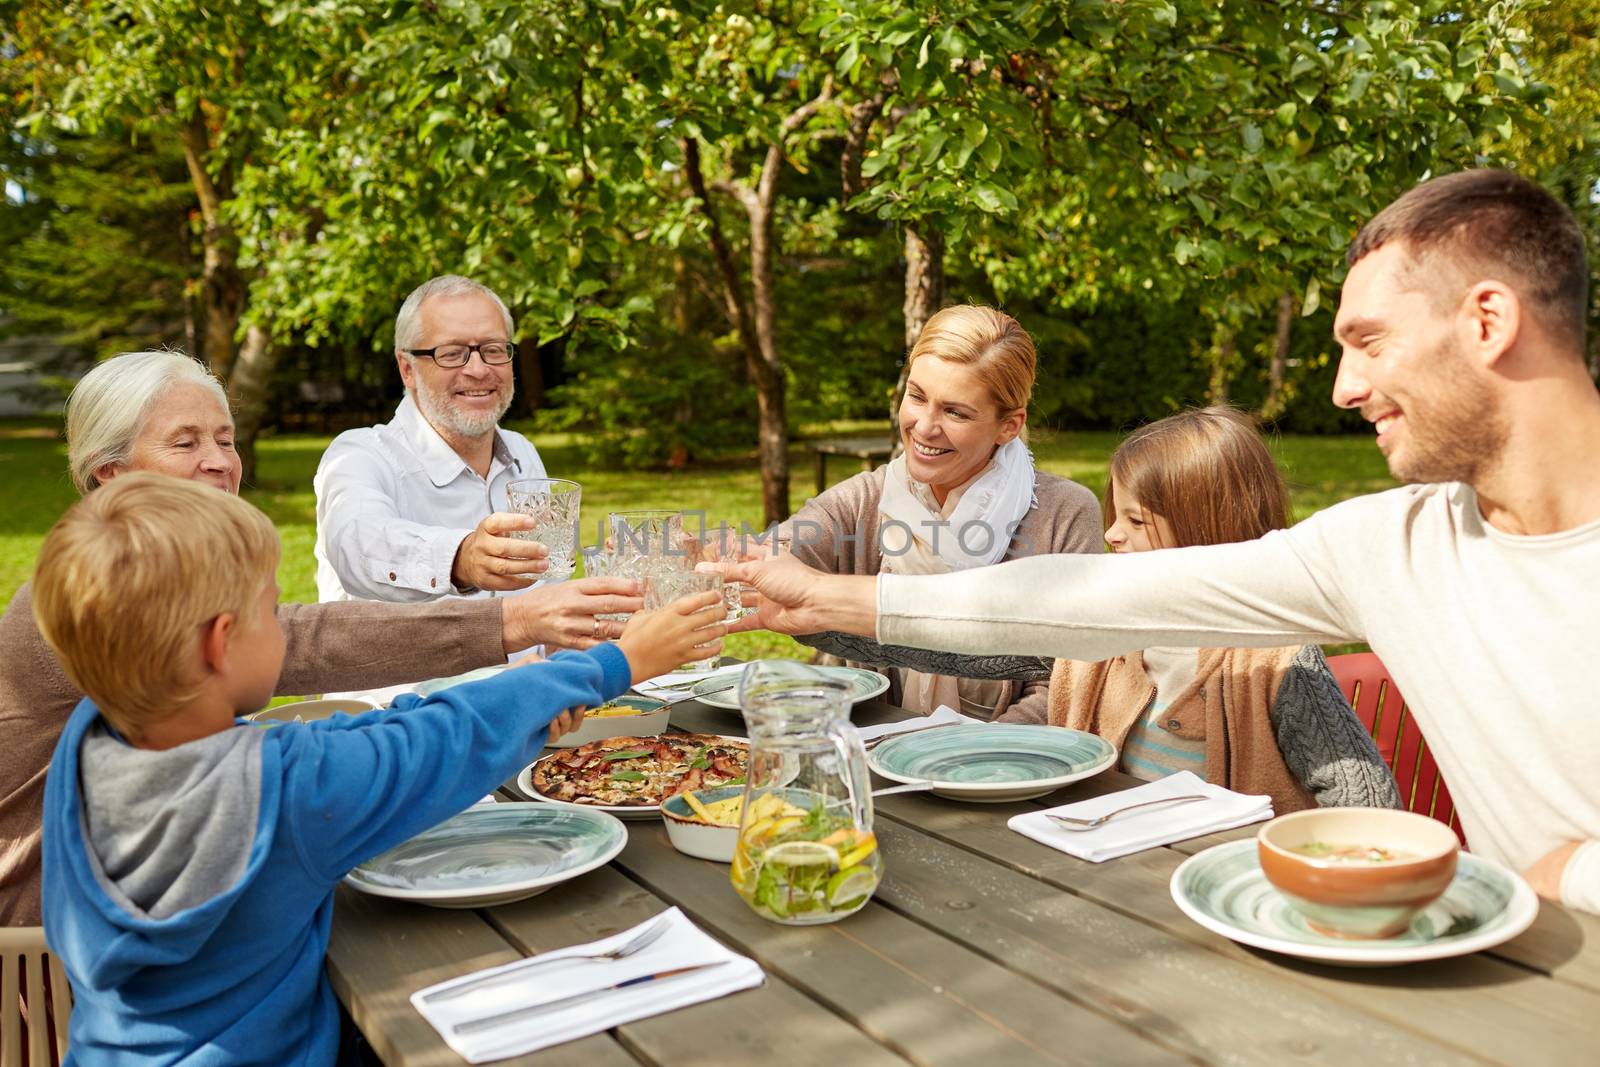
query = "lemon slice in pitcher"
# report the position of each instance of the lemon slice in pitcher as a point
(803, 854)
(849, 886)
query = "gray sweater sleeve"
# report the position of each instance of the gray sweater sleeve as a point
(866, 650)
(1324, 745)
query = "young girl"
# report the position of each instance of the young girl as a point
(1257, 720)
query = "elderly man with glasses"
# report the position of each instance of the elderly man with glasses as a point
(416, 508)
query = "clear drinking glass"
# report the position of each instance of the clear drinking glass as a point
(662, 589)
(553, 504)
(727, 546)
(598, 563)
(806, 851)
(650, 532)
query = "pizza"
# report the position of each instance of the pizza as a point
(640, 771)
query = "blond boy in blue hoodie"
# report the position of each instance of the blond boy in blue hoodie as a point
(190, 858)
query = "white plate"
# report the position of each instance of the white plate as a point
(992, 762)
(1224, 890)
(492, 854)
(626, 812)
(863, 684)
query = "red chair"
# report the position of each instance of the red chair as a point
(1382, 710)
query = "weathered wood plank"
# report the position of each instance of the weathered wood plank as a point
(382, 951)
(908, 987)
(1209, 1006)
(771, 1025)
(1491, 1008)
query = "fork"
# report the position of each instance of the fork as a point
(638, 942)
(876, 741)
(1068, 823)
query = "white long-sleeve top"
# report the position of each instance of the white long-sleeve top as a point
(395, 501)
(1489, 636)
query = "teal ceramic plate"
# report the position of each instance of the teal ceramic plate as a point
(722, 691)
(1224, 890)
(492, 854)
(992, 762)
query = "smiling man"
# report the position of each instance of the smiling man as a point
(416, 508)
(1461, 328)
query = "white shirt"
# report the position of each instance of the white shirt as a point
(1490, 636)
(395, 501)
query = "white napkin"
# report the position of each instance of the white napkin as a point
(1138, 830)
(683, 945)
(943, 715)
(665, 686)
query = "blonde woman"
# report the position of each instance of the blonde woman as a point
(963, 493)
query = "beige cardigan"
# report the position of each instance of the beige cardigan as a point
(352, 644)
(1228, 705)
(838, 532)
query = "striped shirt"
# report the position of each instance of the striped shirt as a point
(1152, 752)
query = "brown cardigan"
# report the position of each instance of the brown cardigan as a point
(1066, 519)
(351, 644)
(1228, 705)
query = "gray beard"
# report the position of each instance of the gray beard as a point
(446, 418)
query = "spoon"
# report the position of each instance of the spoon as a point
(1067, 823)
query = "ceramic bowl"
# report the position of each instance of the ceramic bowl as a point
(650, 719)
(311, 710)
(1358, 898)
(700, 839)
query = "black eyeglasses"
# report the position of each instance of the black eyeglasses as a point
(494, 353)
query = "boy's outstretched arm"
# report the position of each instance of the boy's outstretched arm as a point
(357, 786)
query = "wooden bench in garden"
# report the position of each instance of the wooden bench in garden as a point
(869, 450)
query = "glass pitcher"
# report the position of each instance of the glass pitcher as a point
(806, 851)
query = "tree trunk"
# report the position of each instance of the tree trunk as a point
(247, 392)
(530, 368)
(774, 475)
(1272, 406)
(222, 289)
(924, 295)
(1224, 350)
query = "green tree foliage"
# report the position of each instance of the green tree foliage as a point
(100, 239)
(704, 214)
(1560, 145)
(1217, 156)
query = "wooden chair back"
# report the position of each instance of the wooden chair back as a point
(35, 1000)
(1382, 710)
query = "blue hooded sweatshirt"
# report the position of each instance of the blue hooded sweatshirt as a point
(239, 978)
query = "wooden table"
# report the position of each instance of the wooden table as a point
(982, 949)
(867, 449)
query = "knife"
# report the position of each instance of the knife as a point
(489, 1022)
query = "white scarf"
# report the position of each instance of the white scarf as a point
(972, 529)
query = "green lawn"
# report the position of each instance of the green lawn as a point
(1321, 471)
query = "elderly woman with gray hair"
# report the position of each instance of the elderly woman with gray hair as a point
(163, 412)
